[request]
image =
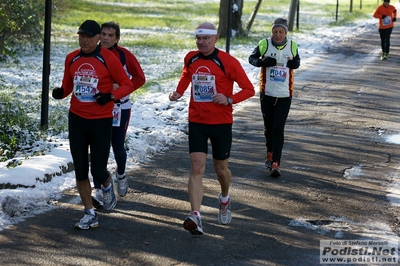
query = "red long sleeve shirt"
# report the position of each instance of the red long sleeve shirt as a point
(132, 66)
(88, 74)
(212, 74)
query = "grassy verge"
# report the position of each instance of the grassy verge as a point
(161, 25)
(176, 19)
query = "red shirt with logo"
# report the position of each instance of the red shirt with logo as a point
(208, 75)
(88, 74)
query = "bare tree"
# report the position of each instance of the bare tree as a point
(253, 15)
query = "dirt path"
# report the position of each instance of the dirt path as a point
(336, 168)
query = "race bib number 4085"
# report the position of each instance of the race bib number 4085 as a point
(203, 88)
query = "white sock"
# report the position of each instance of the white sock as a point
(224, 199)
(120, 176)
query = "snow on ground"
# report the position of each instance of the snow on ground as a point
(156, 124)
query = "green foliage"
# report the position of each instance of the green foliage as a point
(58, 117)
(18, 128)
(20, 24)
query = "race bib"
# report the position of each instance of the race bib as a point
(386, 21)
(85, 83)
(117, 115)
(203, 87)
(278, 73)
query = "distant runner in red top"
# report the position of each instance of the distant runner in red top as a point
(89, 75)
(387, 14)
(211, 73)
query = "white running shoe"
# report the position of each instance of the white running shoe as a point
(122, 186)
(225, 214)
(109, 198)
(192, 223)
(88, 221)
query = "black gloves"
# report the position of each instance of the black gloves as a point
(270, 62)
(394, 19)
(267, 62)
(58, 93)
(103, 98)
(293, 64)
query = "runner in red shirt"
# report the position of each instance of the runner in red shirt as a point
(110, 36)
(89, 75)
(211, 73)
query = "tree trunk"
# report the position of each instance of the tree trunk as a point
(236, 24)
(253, 15)
(223, 18)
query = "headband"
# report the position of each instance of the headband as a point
(205, 31)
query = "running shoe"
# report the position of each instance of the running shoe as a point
(268, 160)
(88, 221)
(97, 198)
(225, 214)
(275, 171)
(109, 198)
(384, 56)
(122, 186)
(192, 223)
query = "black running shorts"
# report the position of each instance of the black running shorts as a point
(220, 136)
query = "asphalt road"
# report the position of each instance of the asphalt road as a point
(345, 103)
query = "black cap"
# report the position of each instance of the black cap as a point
(90, 28)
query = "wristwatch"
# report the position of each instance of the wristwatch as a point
(230, 101)
(112, 97)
